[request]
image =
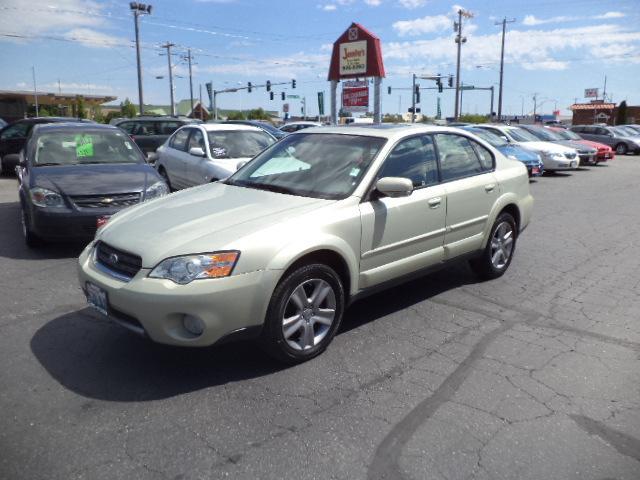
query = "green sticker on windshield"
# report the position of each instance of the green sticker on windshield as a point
(84, 146)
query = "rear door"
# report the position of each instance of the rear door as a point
(174, 158)
(402, 235)
(196, 167)
(467, 170)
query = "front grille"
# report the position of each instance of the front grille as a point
(123, 263)
(570, 155)
(106, 200)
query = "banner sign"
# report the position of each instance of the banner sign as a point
(355, 99)
(320, 103)
(353, 58)
(591, 93)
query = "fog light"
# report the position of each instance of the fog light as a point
(193, 325)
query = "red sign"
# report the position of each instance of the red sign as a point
(355, 99)
(356, 53)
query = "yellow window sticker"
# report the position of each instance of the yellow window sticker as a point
(84, 146)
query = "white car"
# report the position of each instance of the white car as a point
(295, 126)
(198, 154)
(554, 156)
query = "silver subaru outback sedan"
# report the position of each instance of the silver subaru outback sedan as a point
(317, 220)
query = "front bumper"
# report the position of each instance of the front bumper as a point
(156, 307)
(587, 159)
(50, 224)
(564, 164)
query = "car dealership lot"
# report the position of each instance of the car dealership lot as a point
(534, 375)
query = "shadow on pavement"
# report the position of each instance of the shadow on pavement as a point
(12, 243)
(95, 358)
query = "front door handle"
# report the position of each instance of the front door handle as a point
(490, 187)
(434, 202)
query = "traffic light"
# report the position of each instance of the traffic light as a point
(249, 87)
(293, 83)
(439, 86)
(411, 110)
(389, 90)
(269, 86)
(450, 81)
(417, 93)
(282, 95)
(271, 95)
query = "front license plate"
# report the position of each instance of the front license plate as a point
(97, 298)
(535, 170)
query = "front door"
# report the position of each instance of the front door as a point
(402, 235)
(471, 188)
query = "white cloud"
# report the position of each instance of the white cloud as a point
(42, 17)
(610, 15)
(77, 87)
(92, 38)
(411, 4)
(532, 20)
(428, 24)
(373, 3)
(292, 66)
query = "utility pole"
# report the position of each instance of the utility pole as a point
(457, 27)
(168, 47)
(201, 108)
(413, 100)
(189, 58)
(604, 91)
(35, 90)
(139, 9)
(535, 106)
(504, 29)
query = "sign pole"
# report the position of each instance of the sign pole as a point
(334, 112)
(413, 100)
(377, 100)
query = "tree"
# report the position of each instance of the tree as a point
(473, 118)
(344, 114)
(80, 110)
(392, 118)
(127, 109)
(621, 114)
(96, 114)
(257, 114)
(236, 116)
(110, 116)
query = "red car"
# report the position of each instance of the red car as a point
(605, 152)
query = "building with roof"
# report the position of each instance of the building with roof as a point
(599, 111)
(17, 104)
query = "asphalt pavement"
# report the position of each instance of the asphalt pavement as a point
(535, 375)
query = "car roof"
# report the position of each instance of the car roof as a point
(72, 126)
(151, 118)
(53, 120)
(213, 127)
(385, 130)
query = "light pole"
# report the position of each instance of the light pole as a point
(457, 27)
(504, 29)
(168, 47)
(139, 9)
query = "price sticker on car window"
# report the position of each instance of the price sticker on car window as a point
(84, 146)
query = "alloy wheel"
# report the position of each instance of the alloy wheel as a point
(309, 314)
(502, 245)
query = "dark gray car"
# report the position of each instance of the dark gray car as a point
(588, 155)
(617, 138)
(151, 132)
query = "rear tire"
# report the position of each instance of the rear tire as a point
(163, 173)
(496, 257)
(621, 149)
(304, 314)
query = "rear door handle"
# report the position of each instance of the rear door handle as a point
(490, 187)
(434, 202)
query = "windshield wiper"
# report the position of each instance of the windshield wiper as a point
(46, 164)
(271, 188)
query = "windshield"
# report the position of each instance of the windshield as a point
(84, 147)
(545, 134)
(238, 143)
(624, 131)
(490, 138)
(521, 135)
(311, 165)
(568, 135)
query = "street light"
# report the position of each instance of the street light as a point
(139, 9)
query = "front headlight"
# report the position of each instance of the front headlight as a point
(43, 197)
(156, 190)
(185, 269)
(553, 155)
(512, 157)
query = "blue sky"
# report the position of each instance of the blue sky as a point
(555, 49)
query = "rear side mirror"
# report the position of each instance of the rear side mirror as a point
(152, 158)
(395, 187)
(197, 152)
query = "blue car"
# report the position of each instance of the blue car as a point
(532, 160)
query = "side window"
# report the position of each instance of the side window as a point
(484, 155)
(589, 130)
(602, 131)
(20, 130)
(146, 129)
(128, 127)
(413, 158)
(196, 140)
(179, 139)
(167, 128)
(457, 157)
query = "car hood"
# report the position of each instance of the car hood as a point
(93, 179)
(546, 147)
(211, 217)
(581, 147)
(596, 145)
(520, 153)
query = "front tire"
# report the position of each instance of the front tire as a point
(304, 314)
(30, 238)
(497, 255)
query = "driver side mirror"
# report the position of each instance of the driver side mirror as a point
(394, 187)
(16, 159)
(197, 152)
